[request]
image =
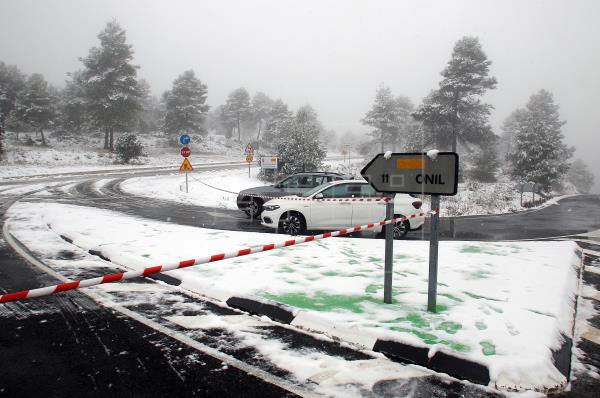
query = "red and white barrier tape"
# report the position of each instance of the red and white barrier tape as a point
(63, 287)
(290, 197)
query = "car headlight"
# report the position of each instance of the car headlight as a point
(270, 207)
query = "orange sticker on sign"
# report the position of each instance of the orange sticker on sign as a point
(410, 163)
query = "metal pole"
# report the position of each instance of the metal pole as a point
(349, 158)
(186, 182)
(389, 253)
(248, 169)
(521, 196)
(433, 254)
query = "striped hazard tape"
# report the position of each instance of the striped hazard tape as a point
(299, 198)
(63, 287)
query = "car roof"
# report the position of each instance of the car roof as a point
(316, 172)
(348, 182)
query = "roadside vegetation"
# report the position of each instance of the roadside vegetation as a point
(105, 96)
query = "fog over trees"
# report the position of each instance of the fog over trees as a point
(106, 94)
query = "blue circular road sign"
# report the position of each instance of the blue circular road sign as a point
(184, 139)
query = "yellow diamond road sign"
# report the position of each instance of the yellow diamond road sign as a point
(186, 166)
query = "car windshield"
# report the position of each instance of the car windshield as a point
(315, 189)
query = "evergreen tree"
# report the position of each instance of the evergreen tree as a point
(238, 109)
(261, 108)
(12, 82)
(279, 113)
(580, 176)
(539, 154)
(404, 110)
(109, 80)
(185, 105)
(509, 128)
(384, 116)
(455, 109)
(152, 115)
(485, 160)
(72, 105)
(298, 144)
(35, 105)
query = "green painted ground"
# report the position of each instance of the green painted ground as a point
(430, 328)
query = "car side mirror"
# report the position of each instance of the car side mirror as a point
(318, 196)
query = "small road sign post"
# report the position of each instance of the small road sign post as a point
(186, 166)
(249, 152)
(527, 187)
(432, 173)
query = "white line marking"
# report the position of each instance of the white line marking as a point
(227, 359)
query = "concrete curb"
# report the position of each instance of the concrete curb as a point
(442, 361)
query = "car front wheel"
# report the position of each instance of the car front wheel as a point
(401, 228)
(292, 224)
(255, 207)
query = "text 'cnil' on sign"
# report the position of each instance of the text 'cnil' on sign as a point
(420, 173)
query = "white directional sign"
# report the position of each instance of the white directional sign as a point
(433, 174)
(268, 162)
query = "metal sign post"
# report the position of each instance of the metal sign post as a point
(433, 173)
(185, 152)
(249, 152)
(433, 254)
(389, 252)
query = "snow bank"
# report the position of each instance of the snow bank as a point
(217, 188)
(504, 305)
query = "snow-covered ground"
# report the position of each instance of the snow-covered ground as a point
(85, 153)
(501, 304)
(219, 189)
(78, 154)
(211, 188)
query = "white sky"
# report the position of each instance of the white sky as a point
(331, 54)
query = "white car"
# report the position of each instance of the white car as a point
(317, 209)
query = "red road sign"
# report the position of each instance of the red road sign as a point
(185, 152)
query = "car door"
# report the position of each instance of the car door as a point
(367, 211)
(333, 211)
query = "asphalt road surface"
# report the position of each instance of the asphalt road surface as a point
(69, 345)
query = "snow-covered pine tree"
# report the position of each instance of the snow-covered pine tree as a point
(539, 154)
(279, 112)
(72, 105)
(384, 116)
(298, 144)
(261, 107)
(109, 79)
(11, 82)
(485, 161)
(238, 109)
(35, 105)
(465, 79)
(152, 116)
(185, 105)
(580, 176)
(507, 137)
